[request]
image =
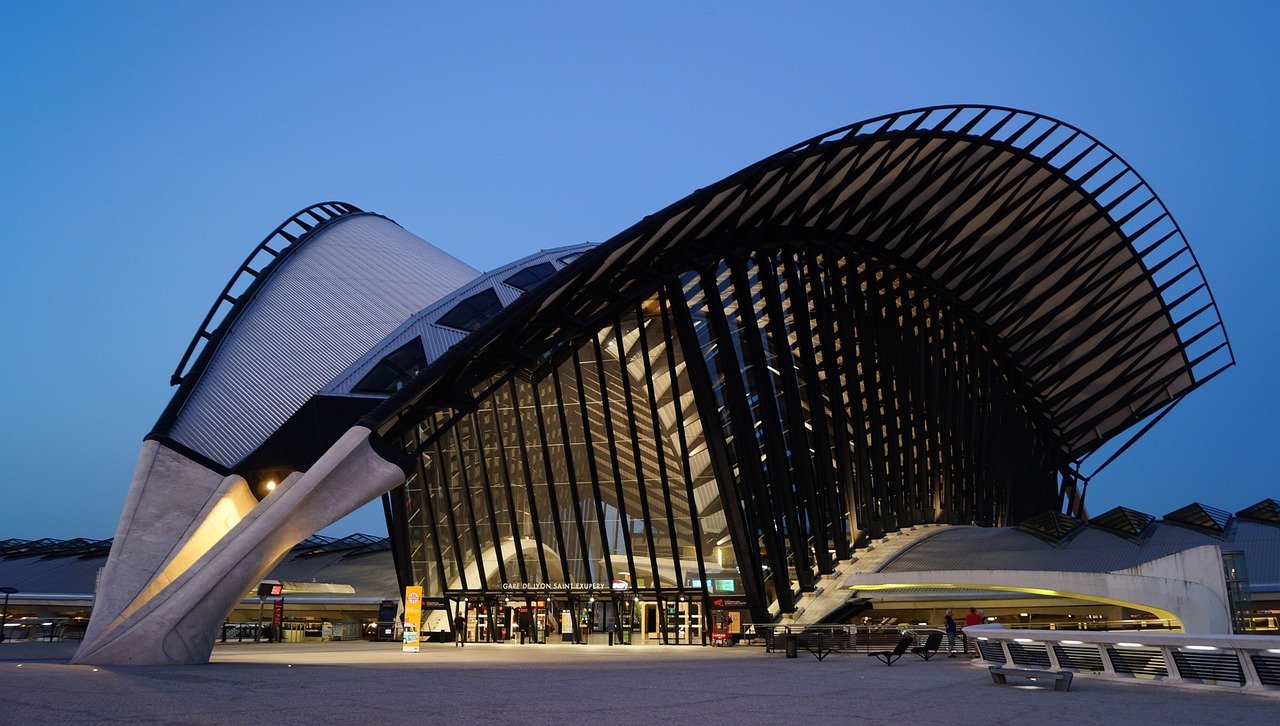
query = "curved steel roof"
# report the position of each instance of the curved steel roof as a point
(1034, 228)
(344, 285)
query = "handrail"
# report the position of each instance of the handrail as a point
(1250, 662)
(859, 636)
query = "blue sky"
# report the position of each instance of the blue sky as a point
(146, 147)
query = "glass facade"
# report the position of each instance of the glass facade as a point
(719, 446)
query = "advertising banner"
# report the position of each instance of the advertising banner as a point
(412, 617)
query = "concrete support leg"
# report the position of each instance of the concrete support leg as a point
(178, 623)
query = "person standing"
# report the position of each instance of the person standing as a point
(460, 631)
(951, 633)
(973, 618)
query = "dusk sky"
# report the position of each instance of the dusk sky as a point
(145, 148)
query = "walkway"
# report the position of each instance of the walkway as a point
(374, 683)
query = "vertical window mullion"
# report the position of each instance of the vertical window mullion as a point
(518, 416)
(572, 475)
(513, 519)
(592, 468)
(603, 384)
(659, 442)
(487, 486)
(641, 485)
(561, 548)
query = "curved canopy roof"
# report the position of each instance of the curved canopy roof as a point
(327, 297)
(1036, 230)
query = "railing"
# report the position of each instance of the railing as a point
(1073, 624)
(846, 637)
(1237, 661)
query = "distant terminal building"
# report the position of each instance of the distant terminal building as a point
(343, 582)
(941, 316)
(347, 587)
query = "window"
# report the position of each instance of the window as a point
(529, 277)
(395, 370)
(472, 312)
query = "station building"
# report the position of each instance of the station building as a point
(947, 316)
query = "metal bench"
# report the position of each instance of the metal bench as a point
(889, 656)
(1061, 679)
(931, 646)
(822, 644)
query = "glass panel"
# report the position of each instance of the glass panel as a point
(472, 312)
(529, 277)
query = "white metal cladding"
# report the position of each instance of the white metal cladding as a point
(331, 299)
(1089, 549)
(436, 339)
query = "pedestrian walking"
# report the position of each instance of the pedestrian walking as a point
(951, 633)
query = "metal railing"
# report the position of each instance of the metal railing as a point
(1249, 662)
(1074, 624)
(841, 636)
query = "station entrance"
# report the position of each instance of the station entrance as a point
(585, 619)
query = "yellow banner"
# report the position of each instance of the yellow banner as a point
(412, 617)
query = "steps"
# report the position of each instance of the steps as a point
(831, 596)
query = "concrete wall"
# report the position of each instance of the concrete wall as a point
(1187, 586)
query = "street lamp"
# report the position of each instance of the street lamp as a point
(5, 616)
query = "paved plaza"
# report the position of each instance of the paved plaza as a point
(374, 683)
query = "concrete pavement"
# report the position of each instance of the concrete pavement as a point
(374, 683)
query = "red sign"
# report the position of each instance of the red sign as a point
(277, 614)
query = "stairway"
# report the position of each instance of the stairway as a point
(830, 598)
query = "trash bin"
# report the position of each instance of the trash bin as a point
(792, 640)
(610, 637)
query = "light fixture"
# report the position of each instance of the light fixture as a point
(271, 485)
(1129, 645)
(1023, 640)
(1200, 647)
(1073, 642)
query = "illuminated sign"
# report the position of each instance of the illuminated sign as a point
(270, 589)
(412, 617)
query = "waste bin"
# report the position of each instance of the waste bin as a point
(792, 641)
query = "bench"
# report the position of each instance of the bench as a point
(930, 647)
(889, 656)
(822, 645)
(1061, 679)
